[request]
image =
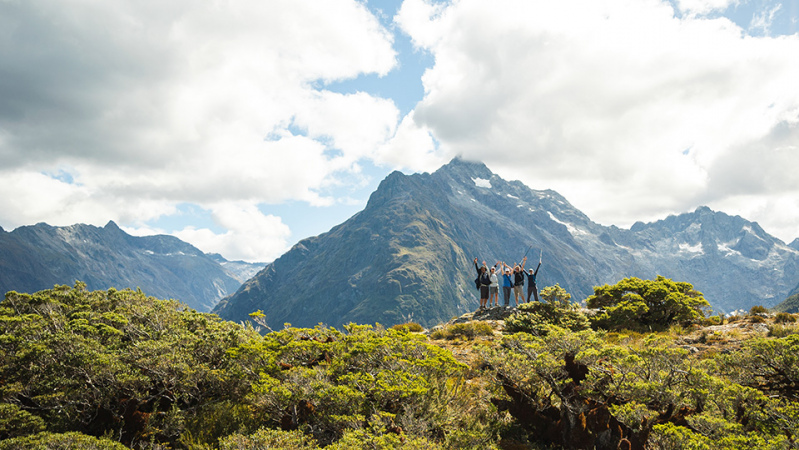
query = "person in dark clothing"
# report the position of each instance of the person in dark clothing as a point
(531, 287)
(483, 282)
(518, 281)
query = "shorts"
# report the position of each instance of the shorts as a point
(493, 290)
(517, 290)
(484, 291)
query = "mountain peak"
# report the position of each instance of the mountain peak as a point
(474, 169)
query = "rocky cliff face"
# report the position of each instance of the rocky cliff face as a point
(34, 258)
(407, 255)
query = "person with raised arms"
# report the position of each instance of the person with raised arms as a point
(518, 281)
(493, 288)
(483, 281)
(531, 286)
(507, 283)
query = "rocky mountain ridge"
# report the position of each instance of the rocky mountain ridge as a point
(408, 254)
(37, 257)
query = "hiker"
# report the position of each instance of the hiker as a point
(493, 288)
(531, 287)
(507, 283)
(483, 281)
(518, 281)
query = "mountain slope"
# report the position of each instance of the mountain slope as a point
(38, 257)
(408, 254)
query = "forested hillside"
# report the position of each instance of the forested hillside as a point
(115, 369)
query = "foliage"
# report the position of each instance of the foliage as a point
(410, 327)
(758, 309)
(15, 421)
(60, 441)
(109, 369)
(577, 390)
(553, 294)
(782, 317)
(554, 309)
(327, 382)
(789, 305)
(646, 304)
(778, 331)
(770, 365)
(265, 439)
(467, 330)
(113, 362)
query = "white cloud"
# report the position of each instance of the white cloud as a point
(250, 234)
(631, 112)
(411, 147)
(704, 6)
(152, 104)
(762, 21)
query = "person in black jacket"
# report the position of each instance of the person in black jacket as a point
(518, 284)
(483, 281)
(531, 287)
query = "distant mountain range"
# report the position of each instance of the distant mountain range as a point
(37, 257)
(408, 255)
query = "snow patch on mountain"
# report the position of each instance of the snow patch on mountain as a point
(482, 182)
(572, 229)
(688, 248)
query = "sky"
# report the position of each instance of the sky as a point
(244, 126)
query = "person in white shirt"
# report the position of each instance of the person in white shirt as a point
(493, 288)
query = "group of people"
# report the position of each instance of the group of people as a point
(513, 280)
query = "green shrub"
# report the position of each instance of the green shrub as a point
(114, 363)
(780, 331)
(59, 441)
(17, 422)
(783, 317)
(552, 294)
(672, 437)
(410, 327)
(366, 440)
(537, 317)
(713, 320)
(467, 330)
(265, 439)
(758, 309)
(646, 304)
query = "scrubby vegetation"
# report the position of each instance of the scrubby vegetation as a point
(648, 305)
(554, 309)
(116, 369)
(149, 373)
(468, 330)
